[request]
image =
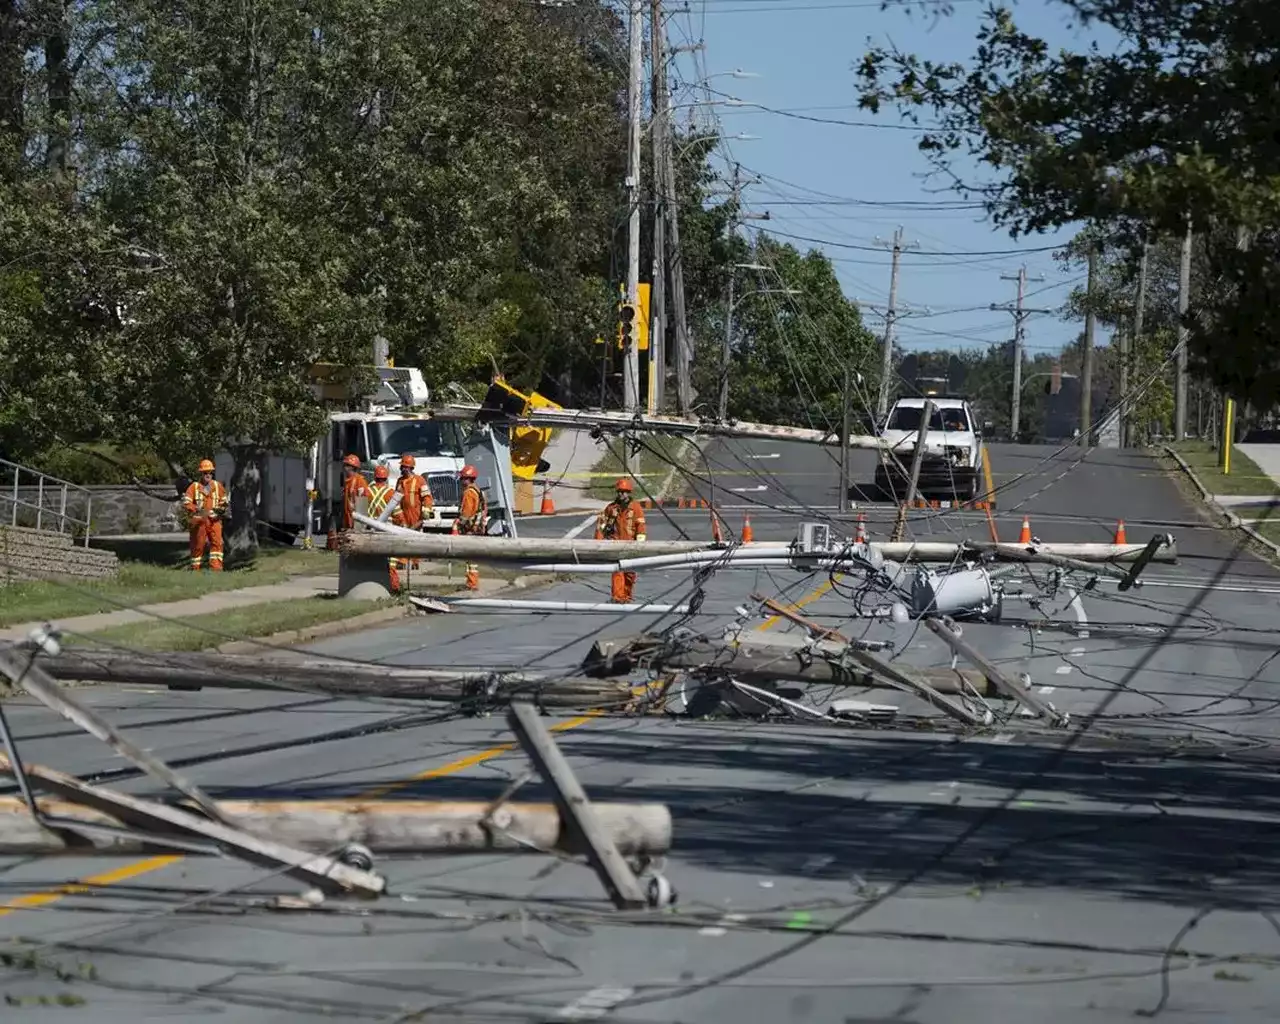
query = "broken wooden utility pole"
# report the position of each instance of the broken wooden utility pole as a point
(913, 483)
(1022, 694)
(314, 675)
(576, 419)
(399, 827)
(106, 817)
(578, 813)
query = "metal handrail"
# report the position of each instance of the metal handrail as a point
(44, 484)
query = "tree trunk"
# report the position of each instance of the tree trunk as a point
(57, 49)
(241, 538)
(12, 41)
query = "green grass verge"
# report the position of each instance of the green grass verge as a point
(650, 465)
(1246, 476)
(151, 572)
(197, 632)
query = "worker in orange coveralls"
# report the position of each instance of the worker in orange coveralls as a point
(621, 519)
(205, 503)
(380, 494)
(412, 498)
(354, 486)
(473, 517)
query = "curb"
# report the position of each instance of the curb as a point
(257, 645)
(1228, 516)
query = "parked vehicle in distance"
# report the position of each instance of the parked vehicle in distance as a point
(951, 467)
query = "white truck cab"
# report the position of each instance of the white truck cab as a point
(952, 461)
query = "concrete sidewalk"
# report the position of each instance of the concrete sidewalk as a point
(296, 589)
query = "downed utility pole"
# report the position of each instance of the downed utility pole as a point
(617, 553)
(766, 660)
(577, 419)
(337, 678)
(163, 826)
(1022, 694)
(382, 826)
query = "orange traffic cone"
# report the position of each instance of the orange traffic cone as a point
(548, 506)
(746, 530)
(861, 536)
(1120, 537)
(716, 535)
(1024, 537)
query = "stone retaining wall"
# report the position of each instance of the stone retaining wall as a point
(114, 509)
(36, 554)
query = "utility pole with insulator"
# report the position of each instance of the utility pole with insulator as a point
(1020, 313)
(658, 131)
(726, 348)
(1086, 351)
(631, 354)
(891, 315)
(1129, 346)
(1184, 333)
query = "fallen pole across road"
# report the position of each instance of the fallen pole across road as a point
(321, 675)
(584, 419)
(384, 826)
(617, 553)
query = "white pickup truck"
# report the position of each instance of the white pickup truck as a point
(952, 463)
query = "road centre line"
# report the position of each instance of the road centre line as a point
(148, 865)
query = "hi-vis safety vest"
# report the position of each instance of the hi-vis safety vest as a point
(379, 495)
(198, 502)
(472, 511)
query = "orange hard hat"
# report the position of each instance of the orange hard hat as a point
(469, 473)
(623, 485)
(380, 472)
(352, 460)
(408, 460)
(206, 465)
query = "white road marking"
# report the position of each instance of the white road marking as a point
(594, 1004)
(1077, 606)
(749, 490)
(576, 530)
(1077, 650)
(766, 455)
(1064, 670)
(1045, 690)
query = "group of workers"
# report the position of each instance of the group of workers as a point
(406, 503)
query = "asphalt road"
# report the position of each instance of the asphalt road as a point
(826, 873)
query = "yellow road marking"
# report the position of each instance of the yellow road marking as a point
(150, 864)
(773, 620)
(120, 874)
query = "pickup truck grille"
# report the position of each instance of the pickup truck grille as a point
(444, 488)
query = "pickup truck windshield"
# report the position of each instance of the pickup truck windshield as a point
(951, 420)
(426, 438)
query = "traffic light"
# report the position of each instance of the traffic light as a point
(627, 325)
(633, 321)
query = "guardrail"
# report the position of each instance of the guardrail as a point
(44, 502)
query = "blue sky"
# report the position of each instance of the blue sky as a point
(800, 54)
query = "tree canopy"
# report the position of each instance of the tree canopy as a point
(1176, 124)
(198, 202)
